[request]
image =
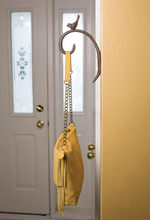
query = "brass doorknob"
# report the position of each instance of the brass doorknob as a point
(91, 147)
(40, 124)
(39, 108)
(90, 155)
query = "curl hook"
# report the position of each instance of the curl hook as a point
(73, 29)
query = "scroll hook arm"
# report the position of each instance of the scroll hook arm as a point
(73, 48)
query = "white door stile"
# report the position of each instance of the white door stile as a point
(51, 97)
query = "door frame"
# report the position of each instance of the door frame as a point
(98, 17)
(51, 112)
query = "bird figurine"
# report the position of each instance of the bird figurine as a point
(73, 25)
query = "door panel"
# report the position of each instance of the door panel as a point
(24, 161)
(84, 118)
(24, 182)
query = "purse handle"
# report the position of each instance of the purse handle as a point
(68, 94)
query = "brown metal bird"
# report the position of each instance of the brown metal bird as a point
(73, 25)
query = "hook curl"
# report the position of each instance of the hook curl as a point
(61, 42)
(74, 46)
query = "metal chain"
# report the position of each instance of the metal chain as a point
(70, 99)
(65, 114)
(68, 94)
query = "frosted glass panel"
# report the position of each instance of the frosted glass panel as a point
(77, 58)
(21, 34)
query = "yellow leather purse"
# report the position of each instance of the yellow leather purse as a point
(68, 163)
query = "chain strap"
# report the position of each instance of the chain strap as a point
(68, 93)
(70, 100)
(65, 114)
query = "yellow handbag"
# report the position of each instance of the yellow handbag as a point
(68, 163)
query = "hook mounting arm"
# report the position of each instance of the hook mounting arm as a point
(73, 48)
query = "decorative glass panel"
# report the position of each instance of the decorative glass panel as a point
(77, 58)
(21, 33)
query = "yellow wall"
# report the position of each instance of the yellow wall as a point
(125, 101)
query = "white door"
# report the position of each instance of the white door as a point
(24, 182)
(65, 12)
(29, 36)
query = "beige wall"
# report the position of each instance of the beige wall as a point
(125, 101)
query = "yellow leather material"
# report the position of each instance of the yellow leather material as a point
(68, 169)
(68, 67)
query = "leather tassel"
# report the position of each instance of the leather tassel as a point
(61, 186)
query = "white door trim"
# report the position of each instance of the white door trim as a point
(97, 112)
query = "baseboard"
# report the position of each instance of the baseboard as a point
(6, 216)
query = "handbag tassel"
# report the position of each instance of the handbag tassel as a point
(62, 170)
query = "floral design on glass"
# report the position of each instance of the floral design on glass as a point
(22, 63)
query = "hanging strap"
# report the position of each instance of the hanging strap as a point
(61, 154)
(68, 94)
(68, 78)
(68, 67)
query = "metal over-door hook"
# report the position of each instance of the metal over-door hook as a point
(73, 29)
